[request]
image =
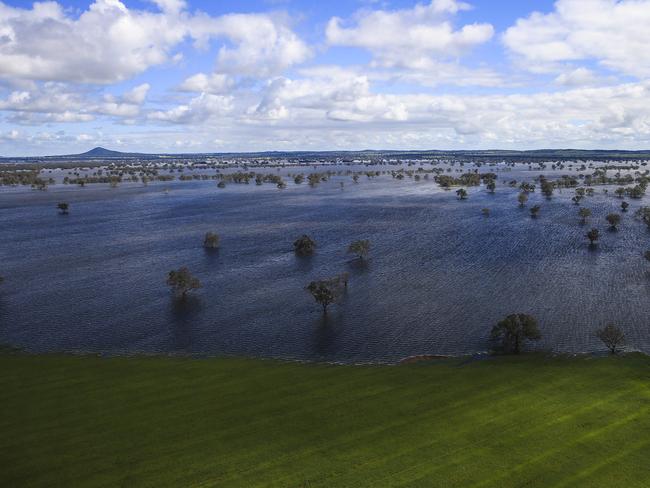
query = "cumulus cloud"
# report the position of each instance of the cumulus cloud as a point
(109, 42)
(412, 38)
(260, 45)
(216, 83)
(199, 109)
(58, 102)
(106, 43)
(613, 33)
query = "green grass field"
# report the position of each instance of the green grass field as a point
(505, 422)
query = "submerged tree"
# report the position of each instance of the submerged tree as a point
(182, 281)
(643, 213)
(522, 198)
(211, 240)
(491, 186)
(645, 255)
(593, 235)
(584, 213)
(547, 188)
(64, 208)
(514, 331)
(328, 291)
(462, 193)
(624, 206)
(613, 337)
(304, 245)
(534, 211)
(361, 248)
(614, 219)
(485, 212)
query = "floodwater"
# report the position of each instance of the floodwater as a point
(439, 276)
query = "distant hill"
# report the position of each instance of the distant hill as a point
(100, 152)
(537, 154)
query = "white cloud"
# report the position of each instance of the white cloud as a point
(613, 33)
(58, 102)
(137, 95)
(413, 38)
(109, 42)
(260, 45)
(106, 43)
(216, 83)
(200, 109)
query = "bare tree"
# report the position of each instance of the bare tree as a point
(613, 337)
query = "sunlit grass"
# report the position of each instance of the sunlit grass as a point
(525, 421)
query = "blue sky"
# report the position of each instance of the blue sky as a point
(195, 76)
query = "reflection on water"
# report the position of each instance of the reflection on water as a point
(439, 275)
(184, 311)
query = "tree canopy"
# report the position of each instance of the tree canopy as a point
(182, 281)
(514, 330)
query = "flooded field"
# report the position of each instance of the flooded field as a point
(440, 273)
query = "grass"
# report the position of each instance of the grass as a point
(505, 422)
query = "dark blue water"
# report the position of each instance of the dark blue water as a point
(440, 274)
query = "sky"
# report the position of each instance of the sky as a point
(252, 75)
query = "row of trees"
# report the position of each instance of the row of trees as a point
(515, 330)
(324, 291)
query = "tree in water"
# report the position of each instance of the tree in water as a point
(221, 184)
(491, 186)
(584, 213)
(522, 198)
(211, 240)
(64, 208)
(182, 281)
(645, 255)
(485, 212)
(624, 206)
(462, 193)
(547, 188)
(613, 337)
(643, 213)
(614, 219)
(328, 291)
(304, 245)
(361, 248)
(534, 211)
(514, 330)
(593, 235)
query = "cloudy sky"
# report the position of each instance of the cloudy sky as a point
(194, 76)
